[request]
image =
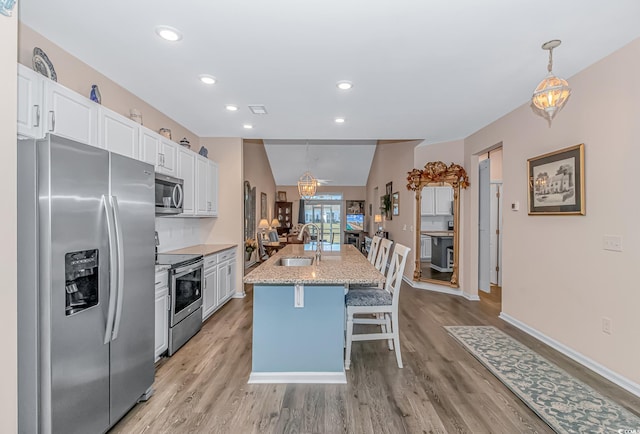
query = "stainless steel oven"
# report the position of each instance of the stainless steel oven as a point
(186, 280)
(169, 194)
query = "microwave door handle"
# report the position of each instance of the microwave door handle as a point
(177, 202)
(120, 245)
(113, 276)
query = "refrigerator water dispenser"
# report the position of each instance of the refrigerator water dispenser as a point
(81, 280)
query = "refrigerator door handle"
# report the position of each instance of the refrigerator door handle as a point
(113, 277)
(120, 244)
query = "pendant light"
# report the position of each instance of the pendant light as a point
(552, 92)
(307, 184)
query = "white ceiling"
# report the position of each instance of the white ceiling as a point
(335, 162)
(434, 70)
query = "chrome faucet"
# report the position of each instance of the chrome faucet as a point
(318, 240)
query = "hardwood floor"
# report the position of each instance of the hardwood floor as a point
(442, 388)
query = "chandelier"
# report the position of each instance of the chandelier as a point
(307, 185)
(552, 92)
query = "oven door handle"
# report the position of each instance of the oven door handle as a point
(113, 270)
(120, 244)
(188, 269)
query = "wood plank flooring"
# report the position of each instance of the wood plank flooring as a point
(442, 388)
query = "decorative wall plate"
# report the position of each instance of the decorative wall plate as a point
(43, 65)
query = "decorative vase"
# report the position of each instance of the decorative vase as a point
(247, 256)
(95, 94)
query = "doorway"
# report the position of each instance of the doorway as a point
(326, 212)
(490, 228)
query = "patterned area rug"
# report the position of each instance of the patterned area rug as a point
(564, 403)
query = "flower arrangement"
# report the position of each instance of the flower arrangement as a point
(250, 245)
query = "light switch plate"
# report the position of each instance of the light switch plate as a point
(515, 206)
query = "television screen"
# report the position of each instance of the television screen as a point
(355, 222)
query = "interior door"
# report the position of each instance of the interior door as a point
(496, 232)
(484, 249)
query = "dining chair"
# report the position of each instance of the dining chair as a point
(378, 301)
(373, 249)
(383, 254)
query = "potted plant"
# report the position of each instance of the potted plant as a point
(386, 205)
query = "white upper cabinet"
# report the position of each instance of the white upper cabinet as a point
(119, 134)
(212, 182)
(150, 147)
(436, 201)
(427, 203)
(169, 157)
(444, 196)
(70, 115)
(206, 187)
(187, 171)
(30, 103)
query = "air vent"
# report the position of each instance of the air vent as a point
(258, 109)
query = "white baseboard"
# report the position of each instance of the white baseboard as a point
(596, 367)
(239, 295)
(298, 377)
(439, 288)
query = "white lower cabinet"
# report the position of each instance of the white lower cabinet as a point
(219, 281)
(425, 247)
(161, 314)
(209, 293)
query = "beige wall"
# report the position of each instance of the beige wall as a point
(228, 227)
(257, 171)
(78, 76)
(557, 279)
(8, 226)
(391, 163)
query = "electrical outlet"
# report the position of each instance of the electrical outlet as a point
(612, 242)
(606, 325)
(411, 228)
(404, 228)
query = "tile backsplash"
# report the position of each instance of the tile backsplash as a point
(434, 223)
(176, 233)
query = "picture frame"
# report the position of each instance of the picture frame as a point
(395, 204)
(556, 182)
(263, 205)
(282, 196)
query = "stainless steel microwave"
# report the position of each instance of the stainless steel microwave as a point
(169, 194)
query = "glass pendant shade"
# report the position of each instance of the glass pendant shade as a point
(307, 185)
(550, 96)
(552, 93)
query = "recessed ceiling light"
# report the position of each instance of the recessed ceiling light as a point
(247, 126)
(231, 107)
(169, 33)
(340, 120)
(344, 85)
(207, 79)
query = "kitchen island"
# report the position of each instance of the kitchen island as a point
(298, 313)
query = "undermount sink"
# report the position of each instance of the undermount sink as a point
(298, 261)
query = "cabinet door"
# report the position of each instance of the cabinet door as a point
(444, 196)
(187, 171)
(150, 148)
(427, 203)
(231, 277)
(209, 294)
(30, 99)
(70, 115)
(223, 282)
(168, 157)
(202, 186)
(425, 247)
(162, 321)
(119, 134)
(212, 194)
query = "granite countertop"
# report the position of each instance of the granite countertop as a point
(437, 233)
(203, 249)
(340, 265)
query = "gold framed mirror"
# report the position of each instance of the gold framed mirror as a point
(437, 188)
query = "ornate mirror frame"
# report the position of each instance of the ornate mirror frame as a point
(436, 173)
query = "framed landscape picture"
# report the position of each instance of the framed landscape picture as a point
(556, 182)
(395, 204)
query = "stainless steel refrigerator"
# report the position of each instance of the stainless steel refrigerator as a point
(85, 284)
